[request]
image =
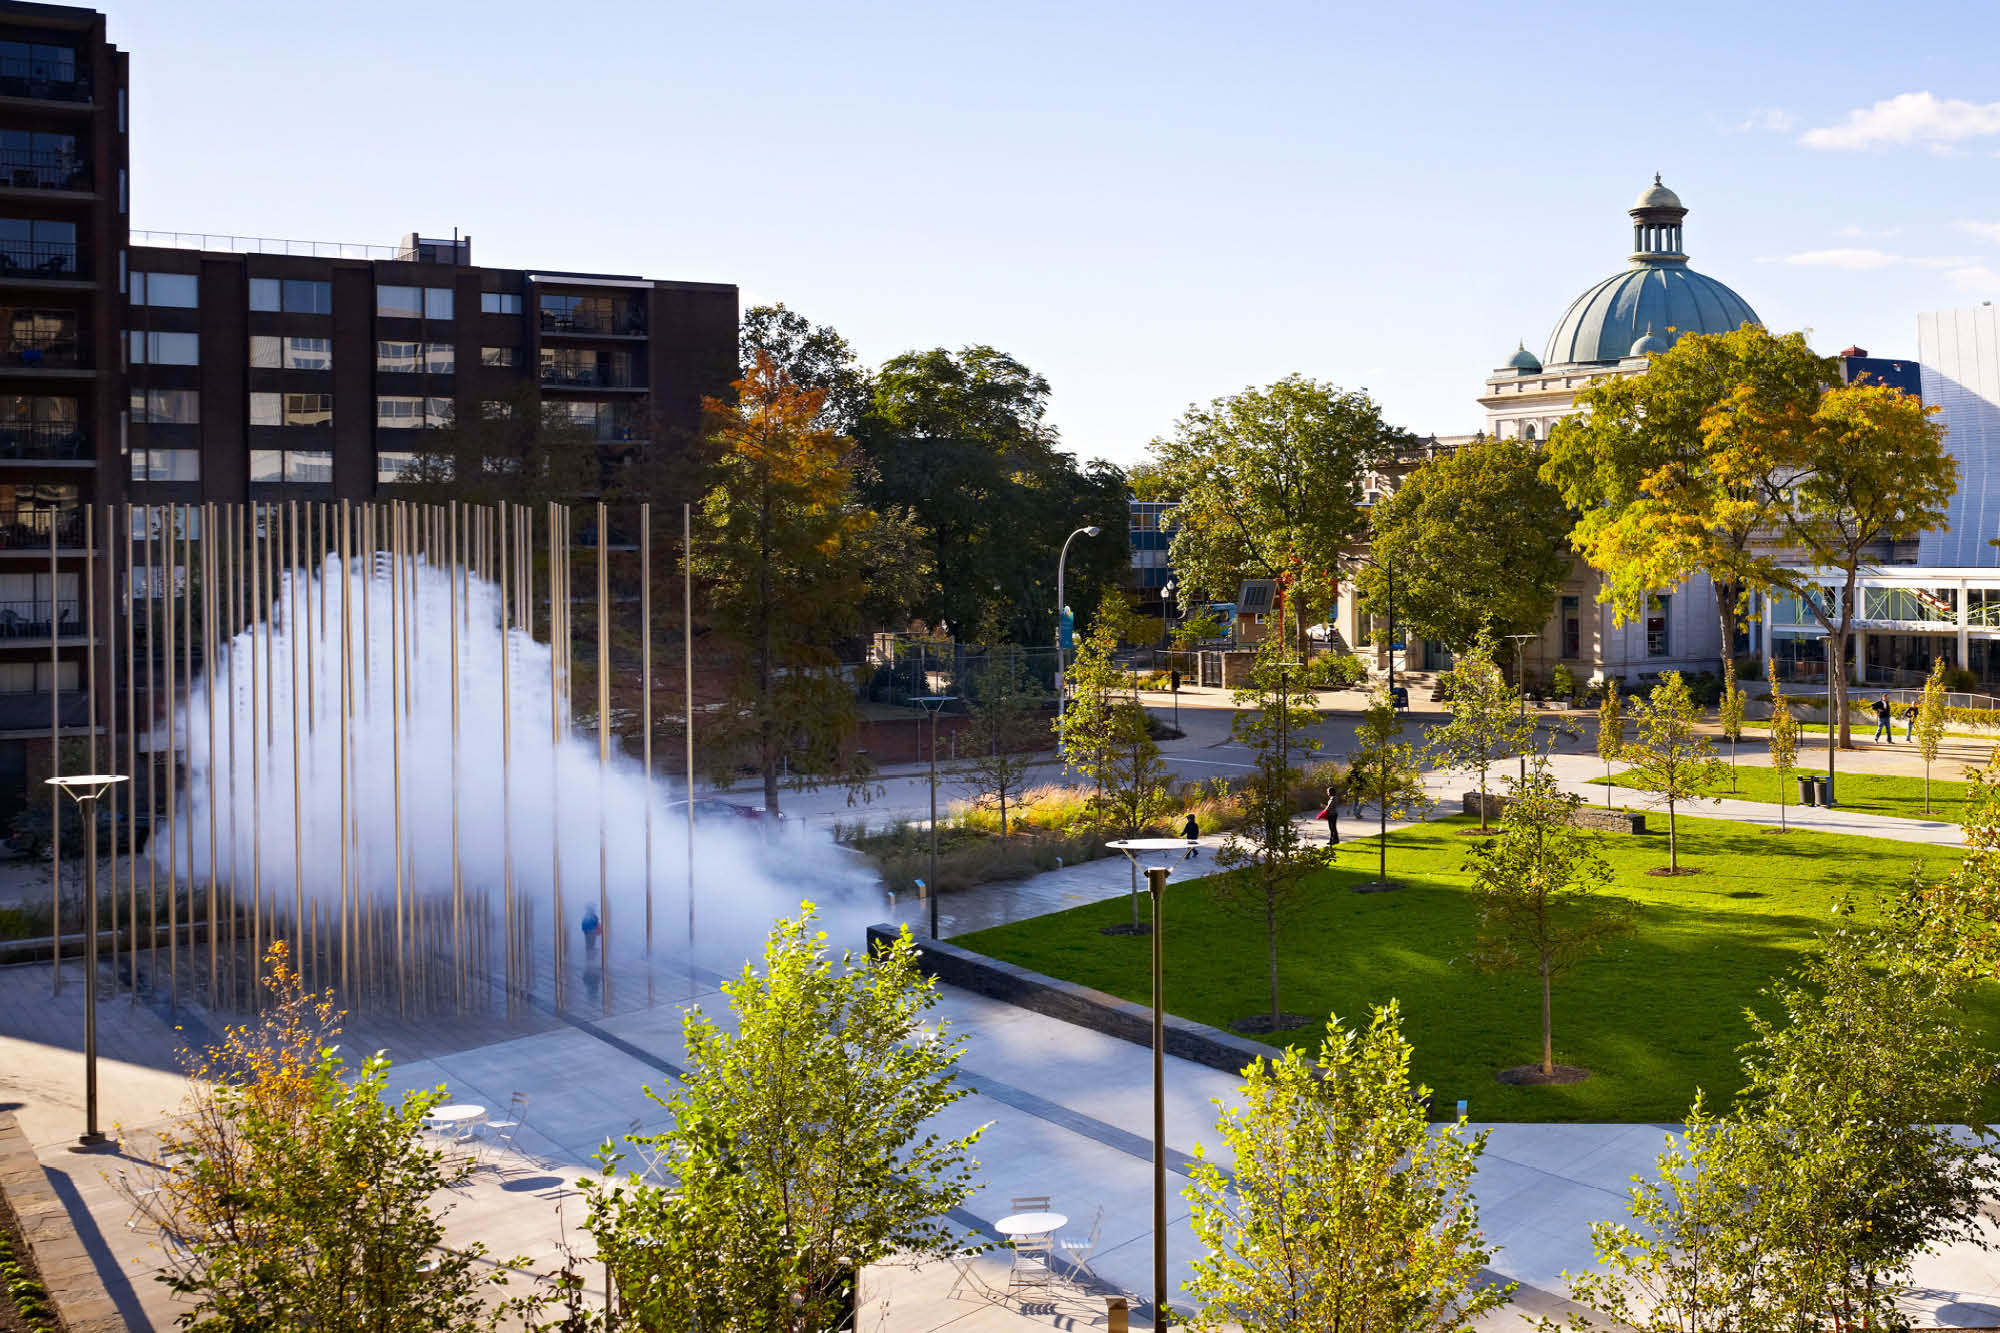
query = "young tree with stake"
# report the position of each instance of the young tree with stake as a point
(1730, 713)
(1343, 1210)
(1930, 723)
(1538, 883)
(1670, 758)
(1784, 747)
(1486, 720)
(1610, 733)
(1385, 771)
(1003, 723)
(1268, 860)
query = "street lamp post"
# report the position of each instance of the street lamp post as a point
(1061, 601)
(84, 789)
(1521, 686)
(1156, 885)
(1166, 600)
(933, 704)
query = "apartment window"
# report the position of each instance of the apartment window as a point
(410, 357)
(37, 246)
(264, 294)
(267, 465)
(399, 302)
(166, 407)
(309, 467)
(38, 160)
(34, 677)
(165, 349)
(308, 353)
(304, 297)
(291, 409)
(1572, 627)
(36, 63)
(500, 303)
(392, 464)
(166, 465)
(440, 358)
(1656, 626)
(495, 409)
(438, 412)
(265, 353)
(496, 356)
(437, 303)
(179, 290)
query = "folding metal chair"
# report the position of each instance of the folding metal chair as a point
(1078, 1252)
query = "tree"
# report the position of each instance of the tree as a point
(1930, 723)
(1537, 883)
(1108, 739)
(1199, 627)
(1269, 483)
(790, 558)
(1385, 771)
(298, 1193)
(1476, 539)
(1268, 860)
(1003, 728)
(1343, 1209)
(961, 440)
(799, 1142)
(1610, 733)
(1485, 722)
(1835, 476)
(1637, 464)
(1784, 747)
(1729, 713)
(1669, 757)
(812, 356)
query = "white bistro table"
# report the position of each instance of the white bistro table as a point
(457, 1118)
(1017, 1225)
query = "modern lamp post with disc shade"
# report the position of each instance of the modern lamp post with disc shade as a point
(84, 789)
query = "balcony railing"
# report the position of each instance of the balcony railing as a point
(47, 351)
(34, 78)
(42, 440)
(593, 321)
(36, 617)
(586, 377)
(51, 259)
(26, 169)
(26, 527)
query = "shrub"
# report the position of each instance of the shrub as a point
(1960, 680)
(1335, 671)
(1749, 668)
(1563, 681)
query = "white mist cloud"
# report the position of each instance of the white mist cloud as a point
(1985, 231)
(1772, 118)
(1909, 118)
(1863, 257)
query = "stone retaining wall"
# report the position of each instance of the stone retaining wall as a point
(1587, 816)
(68, 1274)
(1077, 1004)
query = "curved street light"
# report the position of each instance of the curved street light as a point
(84, 789)
(1061, 601)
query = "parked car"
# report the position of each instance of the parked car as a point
(713, 809)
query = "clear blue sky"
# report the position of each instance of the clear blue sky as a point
(1149, 203)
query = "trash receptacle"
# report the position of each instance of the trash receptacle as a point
(1117, 1314)
(1400, 697)
(1826, 791)
(1808, 791)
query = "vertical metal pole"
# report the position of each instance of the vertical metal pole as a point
(346, 711)
(55, 758)
(131, 760)
(170, 673)
(558, 614)
(152, 775)
(185, 513)
(398, 612)
(1156, 881)
(111, 709)
(208, 650)
(603, 748)
(256, 622)
(646, 693)
(298, 617)
(687, 658)
(931, 888)
(507, 523)
(91, 1135)
(455, 568)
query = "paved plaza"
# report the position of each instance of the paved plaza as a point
(1068, 1109)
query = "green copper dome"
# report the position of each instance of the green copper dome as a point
(1659, 295)
(1523, 359)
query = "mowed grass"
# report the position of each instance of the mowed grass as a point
(1869, 793)
(1653, 1017)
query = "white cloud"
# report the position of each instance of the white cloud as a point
(1909, 118)
(1866, 258)
(1985, 231)
(1854, 232)
(1767, 118)
(1976, 278)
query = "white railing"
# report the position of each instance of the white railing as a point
(268, 245)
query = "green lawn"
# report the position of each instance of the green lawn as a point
(1653, 1017)
(1869, 793)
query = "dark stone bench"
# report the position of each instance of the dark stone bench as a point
(1587, 816)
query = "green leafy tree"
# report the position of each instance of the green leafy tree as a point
(1105, 735)
(813, 356)
(1003, 727)
(1198, 627)
(1637, 465)
(1476, 539)
(1268, 860)
(961, 440)
(1784, 745)
(1269, 483)
(298, 1193)
(800, 1144)
(1729, 713)
(1834, 477)
(790, 557)
(1930, 722)
(1385, 770)
(1537, 884)
(1670, 758)
(1486, 720)
(1343, 1209)
(1610, 733)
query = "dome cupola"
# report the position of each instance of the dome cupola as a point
(1654, 301)
(1523, 361)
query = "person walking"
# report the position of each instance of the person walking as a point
(1884, 728)
(1909, 722)
(1191, 831)
(1331, 814)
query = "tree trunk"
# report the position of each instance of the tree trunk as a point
(1482, 798)
(1673, 850)
(1725, 614)
(767, 725)
(1271, 947)
(1548, 1042)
